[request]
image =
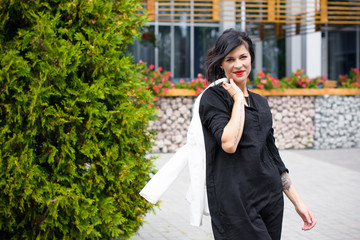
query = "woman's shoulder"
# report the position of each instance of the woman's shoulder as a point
(257, 96)
(215, 93)
(215, 96)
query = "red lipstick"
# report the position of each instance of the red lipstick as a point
(239, 72)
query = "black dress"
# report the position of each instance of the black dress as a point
(244, 188)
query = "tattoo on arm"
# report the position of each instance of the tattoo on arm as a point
(238, 130)
(237, 136)
(286, 181)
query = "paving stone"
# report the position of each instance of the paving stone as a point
(327, 181)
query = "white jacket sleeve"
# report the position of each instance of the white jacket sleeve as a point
(163, 179)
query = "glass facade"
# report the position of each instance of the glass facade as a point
(181, 32)
(182, 47)
(274, 57)
(143, 49)
(164, 47)
(204, 39)
(343, 52)
(179, 48)
(182, 52)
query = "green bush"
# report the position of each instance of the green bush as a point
(73, 125)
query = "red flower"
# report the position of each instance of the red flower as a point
(152, 66)
(261, 74)
(160, 69)
(259, 85)
(273, 81)
(356, 70)
(181, 80)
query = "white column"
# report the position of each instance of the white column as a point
(293, 54)
(229, 19)
(313, 45)
(304, 50)
(313, 54)
(258, 57)
(243, 18)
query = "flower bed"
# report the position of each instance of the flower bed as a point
(298, 83)
(276, 92)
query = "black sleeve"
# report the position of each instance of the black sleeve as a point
(275, 152)
(214, 112)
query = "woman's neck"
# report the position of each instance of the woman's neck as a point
(243, 88)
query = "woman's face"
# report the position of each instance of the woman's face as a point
(237, 64)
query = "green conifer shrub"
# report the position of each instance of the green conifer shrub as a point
(73, 123)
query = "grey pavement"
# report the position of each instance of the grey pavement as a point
(327, 180)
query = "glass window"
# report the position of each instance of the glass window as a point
(182, 52)
(144, 48)
(164, 46)
(205, 38)
(274, 57)
(341, 53)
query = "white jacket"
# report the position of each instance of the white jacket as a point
(193, 154)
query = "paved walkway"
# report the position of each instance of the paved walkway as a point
(327, 180)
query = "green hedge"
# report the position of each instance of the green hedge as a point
(73, 125)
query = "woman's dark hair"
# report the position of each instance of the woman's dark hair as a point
(228, 41)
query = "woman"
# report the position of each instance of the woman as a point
(245, 176)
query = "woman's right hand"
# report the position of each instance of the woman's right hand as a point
(234, 91)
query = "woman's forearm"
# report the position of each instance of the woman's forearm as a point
(289, 189)
(233, 130)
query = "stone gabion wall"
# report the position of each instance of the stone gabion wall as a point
(173, 120)
(337, 122)
(321, 122)
(293, 121)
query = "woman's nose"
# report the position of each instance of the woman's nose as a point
(238, 63)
